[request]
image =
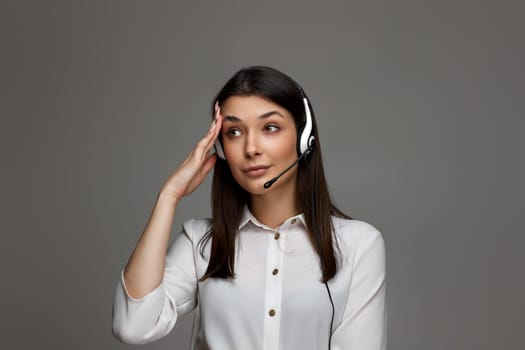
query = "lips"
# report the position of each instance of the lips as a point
(256, 170)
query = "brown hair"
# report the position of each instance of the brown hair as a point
(228, 198)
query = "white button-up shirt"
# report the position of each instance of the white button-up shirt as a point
(276, 300)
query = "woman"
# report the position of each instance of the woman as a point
(278, 266)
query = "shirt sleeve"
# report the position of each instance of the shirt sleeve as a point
(363, 325)
(140, 321)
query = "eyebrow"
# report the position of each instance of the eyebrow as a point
(233, 118)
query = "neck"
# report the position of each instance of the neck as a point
(274, 207)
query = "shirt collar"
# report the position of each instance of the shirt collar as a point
(248, 217)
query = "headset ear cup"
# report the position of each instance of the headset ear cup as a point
(218, 149)
(299, 138)
(311, 143)
(305, 136)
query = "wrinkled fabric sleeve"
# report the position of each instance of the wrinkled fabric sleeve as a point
(140, 321)
(363, 325)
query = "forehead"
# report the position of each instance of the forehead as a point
(251, 107)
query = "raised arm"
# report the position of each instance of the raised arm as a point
(144, 308)
(144, 270)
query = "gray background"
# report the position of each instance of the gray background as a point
(421, 116)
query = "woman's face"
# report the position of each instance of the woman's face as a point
(259, 139)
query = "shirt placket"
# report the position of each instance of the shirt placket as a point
(273, 292)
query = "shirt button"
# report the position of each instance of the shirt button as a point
(275, 272)
(294, 221)
(277, 235)
(271, 312)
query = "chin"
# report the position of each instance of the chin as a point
(254, 187)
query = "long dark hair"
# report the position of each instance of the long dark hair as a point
(228, 198)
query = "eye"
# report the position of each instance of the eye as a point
(232, 132)
(272, 128)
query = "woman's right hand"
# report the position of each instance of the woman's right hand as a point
(196, 166)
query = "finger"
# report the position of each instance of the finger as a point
(202, 173)
(218, 124)
(204, 145)
(213, 134)
(217, 110)
(217, 127)
(208, 164)
(217, 119)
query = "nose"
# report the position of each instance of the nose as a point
(251, 146)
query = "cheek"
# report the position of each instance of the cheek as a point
(231, 152)
(234, 156)
(285, 148)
